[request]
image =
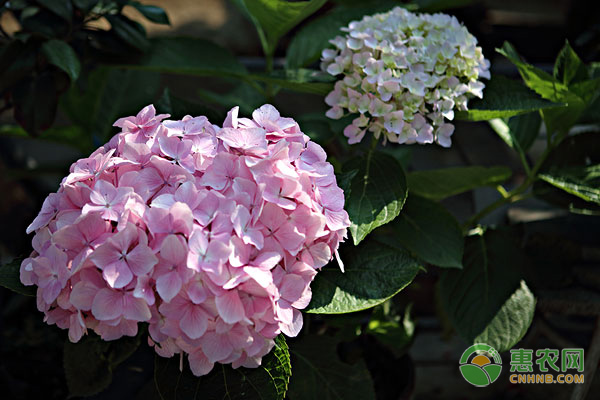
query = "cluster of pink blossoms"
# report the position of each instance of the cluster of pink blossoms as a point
(210, 235)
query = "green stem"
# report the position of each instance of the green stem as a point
(512, 196)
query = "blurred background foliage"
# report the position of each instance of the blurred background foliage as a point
(69, 69)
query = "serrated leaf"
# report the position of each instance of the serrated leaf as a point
(571, 158)
(558, 120)
(275, 18)
(502, 98)
(488, 299)
(10, 278)
(374, 272)
(375, 194)
(319, 373)
(427, 230)
(266, 382)
(62, 55)
(569, 67)
(437, 184)
(151, 13)
(583, 182)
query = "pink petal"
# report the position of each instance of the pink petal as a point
(193, 322)
(230, 307)
(107, 305)
(117, 274)
(168, 285)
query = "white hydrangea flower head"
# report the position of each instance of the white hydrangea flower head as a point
(405, 74)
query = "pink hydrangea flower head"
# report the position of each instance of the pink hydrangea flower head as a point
(405, 74)
(211, 235)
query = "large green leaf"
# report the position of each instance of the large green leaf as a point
(583, 182)
(518, 132)
(319, 373)
(502, 98)
(62, 55)
(89, 364)
(375, 194)
(275, 18)
(374, 272)
(189, 56)
(306, 46)
(427, 230)
(488, 301)
(10, 278)
(267, 382)
(437, 184)
(106, 95)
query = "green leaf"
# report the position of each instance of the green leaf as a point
(569, 67)
(375, 194)
(243, 95)
(427, 230)
(189, 56)
(583, 182)
(89, 364)
(107, 94)
(62, 55)
(503, 97)
(557, 120)
(565, 180)
(306, 46)
(178, 107)
(300, 80)
(374, 272)
(525, 129)
(431, 6)
(275, 18)
(10, 278)
(151, 13)
(437, 184)
(130, 31)
(267, 382)
(319, 373)
(36, 101)
(396, 334)
(63, 9)
(518, 132)
(488, 300)
(85, 5)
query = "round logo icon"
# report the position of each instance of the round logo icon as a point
(480, 365)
